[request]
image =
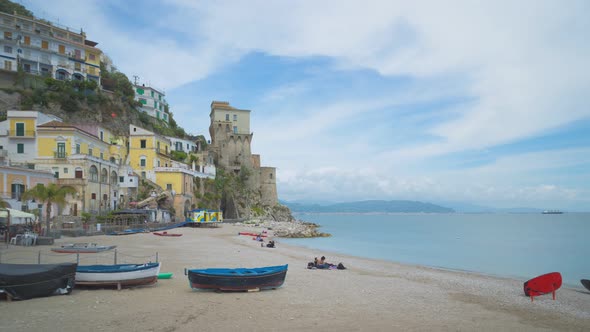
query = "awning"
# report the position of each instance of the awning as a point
(15, 214)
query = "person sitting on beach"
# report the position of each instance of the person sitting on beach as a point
(259, 238)
(271, 244)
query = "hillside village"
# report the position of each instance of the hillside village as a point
(69, 117)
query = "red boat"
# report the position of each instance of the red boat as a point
(544, 284)
(252, 234)
(166, 234)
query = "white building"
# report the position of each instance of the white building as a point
(47, 49)
(18, 136)
(152, 101)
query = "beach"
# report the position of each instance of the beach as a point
(370, 295)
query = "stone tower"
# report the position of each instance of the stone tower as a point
(230, 145)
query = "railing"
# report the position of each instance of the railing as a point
(21, 133)
(60, 155)
(72, 182)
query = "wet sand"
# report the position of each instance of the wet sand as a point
(370, 295)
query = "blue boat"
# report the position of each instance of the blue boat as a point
(240, 279)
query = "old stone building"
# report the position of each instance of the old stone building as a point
(231, 140)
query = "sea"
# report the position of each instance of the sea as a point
(519, 246)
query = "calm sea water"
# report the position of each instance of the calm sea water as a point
(511, 245)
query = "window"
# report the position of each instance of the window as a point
(93, 196)
(20, 129)
(93, 173)
(152, 93)
(121, 179)
(61, 49)
(90, 151)
(61, 150)
(235, 129)
(78, 148)
(142, 162)
(27, 40)
(168, 186)
(78, 173)
(7, 49)
(142, 144)
(227, 117)
(270, 175)
(20, 148)
(65, 170)
(143, 175)
(101, 155)
(44, 44)
(91, 56)
(7, 65)
(17, 191)
(78, 54)
(143, 101)
(235, 117)
(155, 104)
(101, 135)
(77, 66)
(7, 35)
(103, 176)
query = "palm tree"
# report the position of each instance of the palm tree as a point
(49, 194)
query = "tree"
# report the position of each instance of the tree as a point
(50, 194)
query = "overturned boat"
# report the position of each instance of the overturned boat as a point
(240, 279)
(26, 281)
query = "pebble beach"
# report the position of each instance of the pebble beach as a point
(370, 295)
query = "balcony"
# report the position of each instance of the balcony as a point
(72, 182)
(22, 134)
(60, 155)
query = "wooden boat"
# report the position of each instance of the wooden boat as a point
(117, 275)
(166, 234)
(544, 284)
(26, 281)
(130, 231)
(241, 279)
(82, 248)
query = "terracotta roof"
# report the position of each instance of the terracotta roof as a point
(57, 124)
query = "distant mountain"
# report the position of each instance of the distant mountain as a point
(462, 207)
(370, 206)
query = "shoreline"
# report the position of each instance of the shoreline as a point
(370, 294)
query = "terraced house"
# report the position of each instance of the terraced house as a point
(49, 49)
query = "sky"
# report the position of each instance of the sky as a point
(481, 102)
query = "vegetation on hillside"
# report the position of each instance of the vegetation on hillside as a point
(11, 8)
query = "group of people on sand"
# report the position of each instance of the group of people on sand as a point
(259, 238)
(322, 264)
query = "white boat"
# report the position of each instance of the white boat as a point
(117, 275)
(82, 248)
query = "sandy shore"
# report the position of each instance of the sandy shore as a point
(370, 295)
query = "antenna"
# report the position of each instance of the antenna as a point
(135, 77)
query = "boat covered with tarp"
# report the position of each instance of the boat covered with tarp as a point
(239, 279)
(118, 274)
(26, 281)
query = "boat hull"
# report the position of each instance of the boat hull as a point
(238, 279)
(120, 275)
(26, 281)
(167, 234)
(82, 250)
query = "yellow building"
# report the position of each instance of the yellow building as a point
(80, 156)
(14, 181)
(149, 156)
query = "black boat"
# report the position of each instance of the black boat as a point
(26, 281)
(241, 279)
